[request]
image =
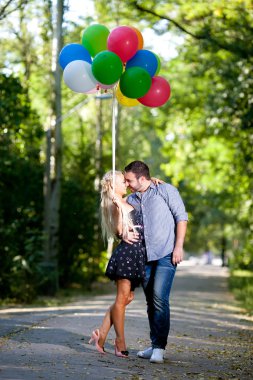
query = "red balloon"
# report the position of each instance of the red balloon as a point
(158, 94)
(123, 41)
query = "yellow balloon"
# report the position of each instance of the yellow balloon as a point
(123, 100)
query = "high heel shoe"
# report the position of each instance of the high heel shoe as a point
(95, 337)
(120, 354)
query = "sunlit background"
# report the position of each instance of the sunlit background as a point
(55, 144)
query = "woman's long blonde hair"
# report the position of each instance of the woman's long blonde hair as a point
(108, 221)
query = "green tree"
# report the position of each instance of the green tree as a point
(210, 132)
(21, 196)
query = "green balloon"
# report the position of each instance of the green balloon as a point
(107, 67)
(158, 64)
(94, 38)
(135, 82)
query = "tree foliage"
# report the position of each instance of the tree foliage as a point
(10, 6)
(210, 132)
(21, 192)
(200, 141)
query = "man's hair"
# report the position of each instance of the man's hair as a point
(139, 168)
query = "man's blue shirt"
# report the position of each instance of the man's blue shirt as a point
(162, 208)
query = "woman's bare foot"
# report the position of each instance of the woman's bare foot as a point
(102, 338)
(120, 344)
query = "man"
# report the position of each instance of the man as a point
(165, 223)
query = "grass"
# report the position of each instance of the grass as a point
(64, 296)
(241, 284)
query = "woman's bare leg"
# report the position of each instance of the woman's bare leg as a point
(108, 321)
(131, 297)
(105, 327)
(118, 311)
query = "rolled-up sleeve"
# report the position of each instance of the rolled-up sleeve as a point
(175, 203)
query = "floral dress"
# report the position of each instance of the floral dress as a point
(128, 260)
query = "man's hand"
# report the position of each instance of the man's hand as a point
(178, 252)
(177, 255)
(132, 237)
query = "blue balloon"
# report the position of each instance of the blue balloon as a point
(144, 59)
(73, 52)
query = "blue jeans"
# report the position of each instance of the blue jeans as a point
(157, 286)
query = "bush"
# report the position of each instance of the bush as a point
(241, 284)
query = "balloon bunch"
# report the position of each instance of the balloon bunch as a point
(115, 59)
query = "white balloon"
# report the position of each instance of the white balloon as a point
(93, 91)
(78, 76)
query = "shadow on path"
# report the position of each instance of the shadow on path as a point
(210, 338)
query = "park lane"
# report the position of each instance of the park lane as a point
(210, 338)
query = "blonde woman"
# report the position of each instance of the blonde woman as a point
(127, 263)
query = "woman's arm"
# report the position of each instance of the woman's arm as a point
(117, 216)
(156, 181)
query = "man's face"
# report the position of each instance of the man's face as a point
(133, 183)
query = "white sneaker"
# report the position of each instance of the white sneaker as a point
(157, 355)
(145, 354)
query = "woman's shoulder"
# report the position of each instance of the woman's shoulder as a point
(127, 207)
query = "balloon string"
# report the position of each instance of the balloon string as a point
(113, 139)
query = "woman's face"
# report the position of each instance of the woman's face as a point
(120, 185)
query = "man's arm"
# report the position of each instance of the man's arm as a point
(175, 202)
(177, 209)
(180, 235)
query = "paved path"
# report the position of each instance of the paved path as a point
(209, 337)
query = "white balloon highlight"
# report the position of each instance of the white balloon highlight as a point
(78, 76)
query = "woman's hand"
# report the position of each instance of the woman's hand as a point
(156, 181)
(117, 201)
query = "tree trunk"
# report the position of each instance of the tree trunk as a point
(116, 113)
(53, 167)
(223, 251)
(118, 148)
(99, 143)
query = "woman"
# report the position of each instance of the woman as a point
(127, 263)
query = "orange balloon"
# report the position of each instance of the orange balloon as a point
(123, 100)
(140, 38)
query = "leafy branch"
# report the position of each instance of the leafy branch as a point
(11, 6)
(235, 47)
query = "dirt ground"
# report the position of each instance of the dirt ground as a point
(210, 336)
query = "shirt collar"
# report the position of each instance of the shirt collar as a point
(139, 194)
(152, 185)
